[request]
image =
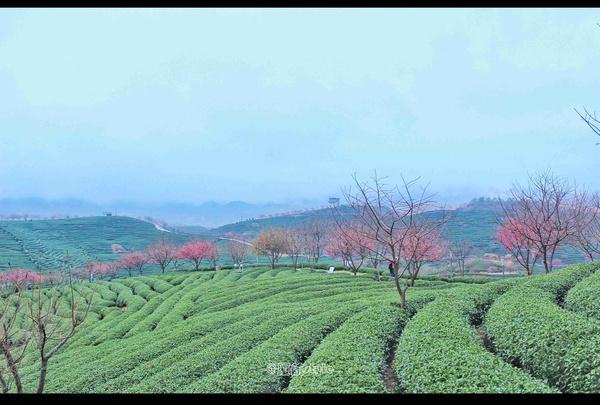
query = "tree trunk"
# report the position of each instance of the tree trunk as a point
(398, 286)
(545, 260)
(43, 371)
(12, 366)
(4, 384)
(403, 298)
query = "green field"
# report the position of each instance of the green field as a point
(234, 332)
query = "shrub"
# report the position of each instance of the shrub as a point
(440, 352)
(356, 351)
(585, 297)
(528, 328)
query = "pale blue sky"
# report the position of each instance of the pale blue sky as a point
(269, 105)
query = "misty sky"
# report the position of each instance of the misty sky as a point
(272, 105)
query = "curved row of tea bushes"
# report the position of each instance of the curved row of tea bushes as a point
(215, 296)
(528, 327)
(352, 358)
(93, 362)
(91, 365)
(251, 373)
(210, 358)
(114, 324)
(214, 323)
(440, 352)
(216, 341)
(584, 298)
(145, 369)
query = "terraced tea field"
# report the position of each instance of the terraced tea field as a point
(43, 243)
(228, 331)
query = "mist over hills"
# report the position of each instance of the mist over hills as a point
(207, 214)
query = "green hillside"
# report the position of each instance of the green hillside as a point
(477, 225)
(240, 332)
(43, 243)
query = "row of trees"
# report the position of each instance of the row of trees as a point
(545, 215)
(307, 241)
(162, 253)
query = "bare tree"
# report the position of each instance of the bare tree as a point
(512, 236)
(273, 243)
(546, 213)
(587, 235)
(162, 253)
(389, 216)
(459, 251)
(43, 323)
(591, 120)
(296, 245)
(315, 239)
(238, 251)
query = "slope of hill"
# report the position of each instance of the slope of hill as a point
(477, 226)
(475, 223)
(43, 243)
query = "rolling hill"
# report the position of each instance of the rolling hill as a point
(43, 243)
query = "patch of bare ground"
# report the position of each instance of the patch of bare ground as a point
(390, 377)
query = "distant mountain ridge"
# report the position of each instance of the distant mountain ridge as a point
(207, 214)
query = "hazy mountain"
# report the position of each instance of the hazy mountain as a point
(208, 214)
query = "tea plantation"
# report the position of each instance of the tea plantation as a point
(43, 243)
(304, 331)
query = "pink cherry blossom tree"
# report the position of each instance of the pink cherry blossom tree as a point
(512, 236)
(133, 261)
(162, 253)
(98, 270)
(547, 212)
(352, 246)
(387, 215)
(195, 252)
(422, 245)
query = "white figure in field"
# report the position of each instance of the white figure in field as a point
(241, 268)
(331, 269)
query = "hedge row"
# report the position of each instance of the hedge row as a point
(142, 364)
(355, 353)
(201, 342)
(440, 352)
(211, 358)
(114, 358)
(93, 362)
(257, 370)
(528, 327)
(584, 298)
